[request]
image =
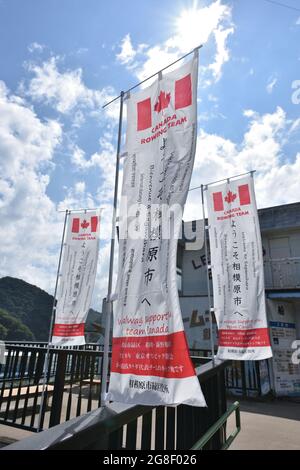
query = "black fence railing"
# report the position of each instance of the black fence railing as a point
(248, 379)
(118, 426)
(72, 385)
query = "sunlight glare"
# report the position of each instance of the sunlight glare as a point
(195, 24)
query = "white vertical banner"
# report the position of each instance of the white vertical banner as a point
(150, 358)
(237, 271)
(77, 278)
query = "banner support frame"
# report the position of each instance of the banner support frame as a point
(212, 347)
(81, 210)
(153, 75)
(251, 172)
(108, 302)
(46, 363)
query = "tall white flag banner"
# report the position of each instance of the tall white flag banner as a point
(237, 271)
(150, 358)
(77, 280)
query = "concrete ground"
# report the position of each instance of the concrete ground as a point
(270, 425)
(265, 425)
(9, 434)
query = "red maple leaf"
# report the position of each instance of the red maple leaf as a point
(85, 224)
(162, 102)
(230, 197)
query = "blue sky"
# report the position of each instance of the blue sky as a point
(60, 61)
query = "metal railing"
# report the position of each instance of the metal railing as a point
(117, 426)
(220, 425)
(243, 378)
(72, 384)
(282, 273)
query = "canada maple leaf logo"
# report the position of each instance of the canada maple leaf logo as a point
(230, 197)
(84, 224)
(163, 101)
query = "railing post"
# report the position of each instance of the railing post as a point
(59, 384)
(243, 378)
(257, 369)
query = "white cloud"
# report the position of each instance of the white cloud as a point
(30, 224)
(261, 149)
(25, 141)
(66, 90)
(80, 187)
(194, 26)
(78, 197)
(36, 47)
(222, 54)
(295, 126)
(104, 159)
(127, 52)
(271, 84)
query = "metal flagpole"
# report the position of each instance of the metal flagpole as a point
(207, 278)
(46, 363)
(108, 303)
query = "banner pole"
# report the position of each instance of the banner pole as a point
(46, 363)
(225, 179)
(207, 278)
(153, 75)
(108, 303)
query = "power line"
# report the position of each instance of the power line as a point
(283, 5)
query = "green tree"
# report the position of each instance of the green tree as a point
(12, 329)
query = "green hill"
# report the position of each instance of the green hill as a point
(26, 310)
(12, 329)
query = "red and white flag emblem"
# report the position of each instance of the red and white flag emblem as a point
(82, 224)
(182, 99)
(242, 198)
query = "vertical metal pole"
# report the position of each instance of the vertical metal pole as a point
(207, 277)
(46, 363)
(108, 306)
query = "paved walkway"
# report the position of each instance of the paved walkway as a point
(265, 426)
(272, 425)
(9, 434)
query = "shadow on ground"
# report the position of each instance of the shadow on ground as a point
(281, 408)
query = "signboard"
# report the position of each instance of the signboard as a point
(78, 272)
(150, 358)
(286, 375)
(237, 271)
